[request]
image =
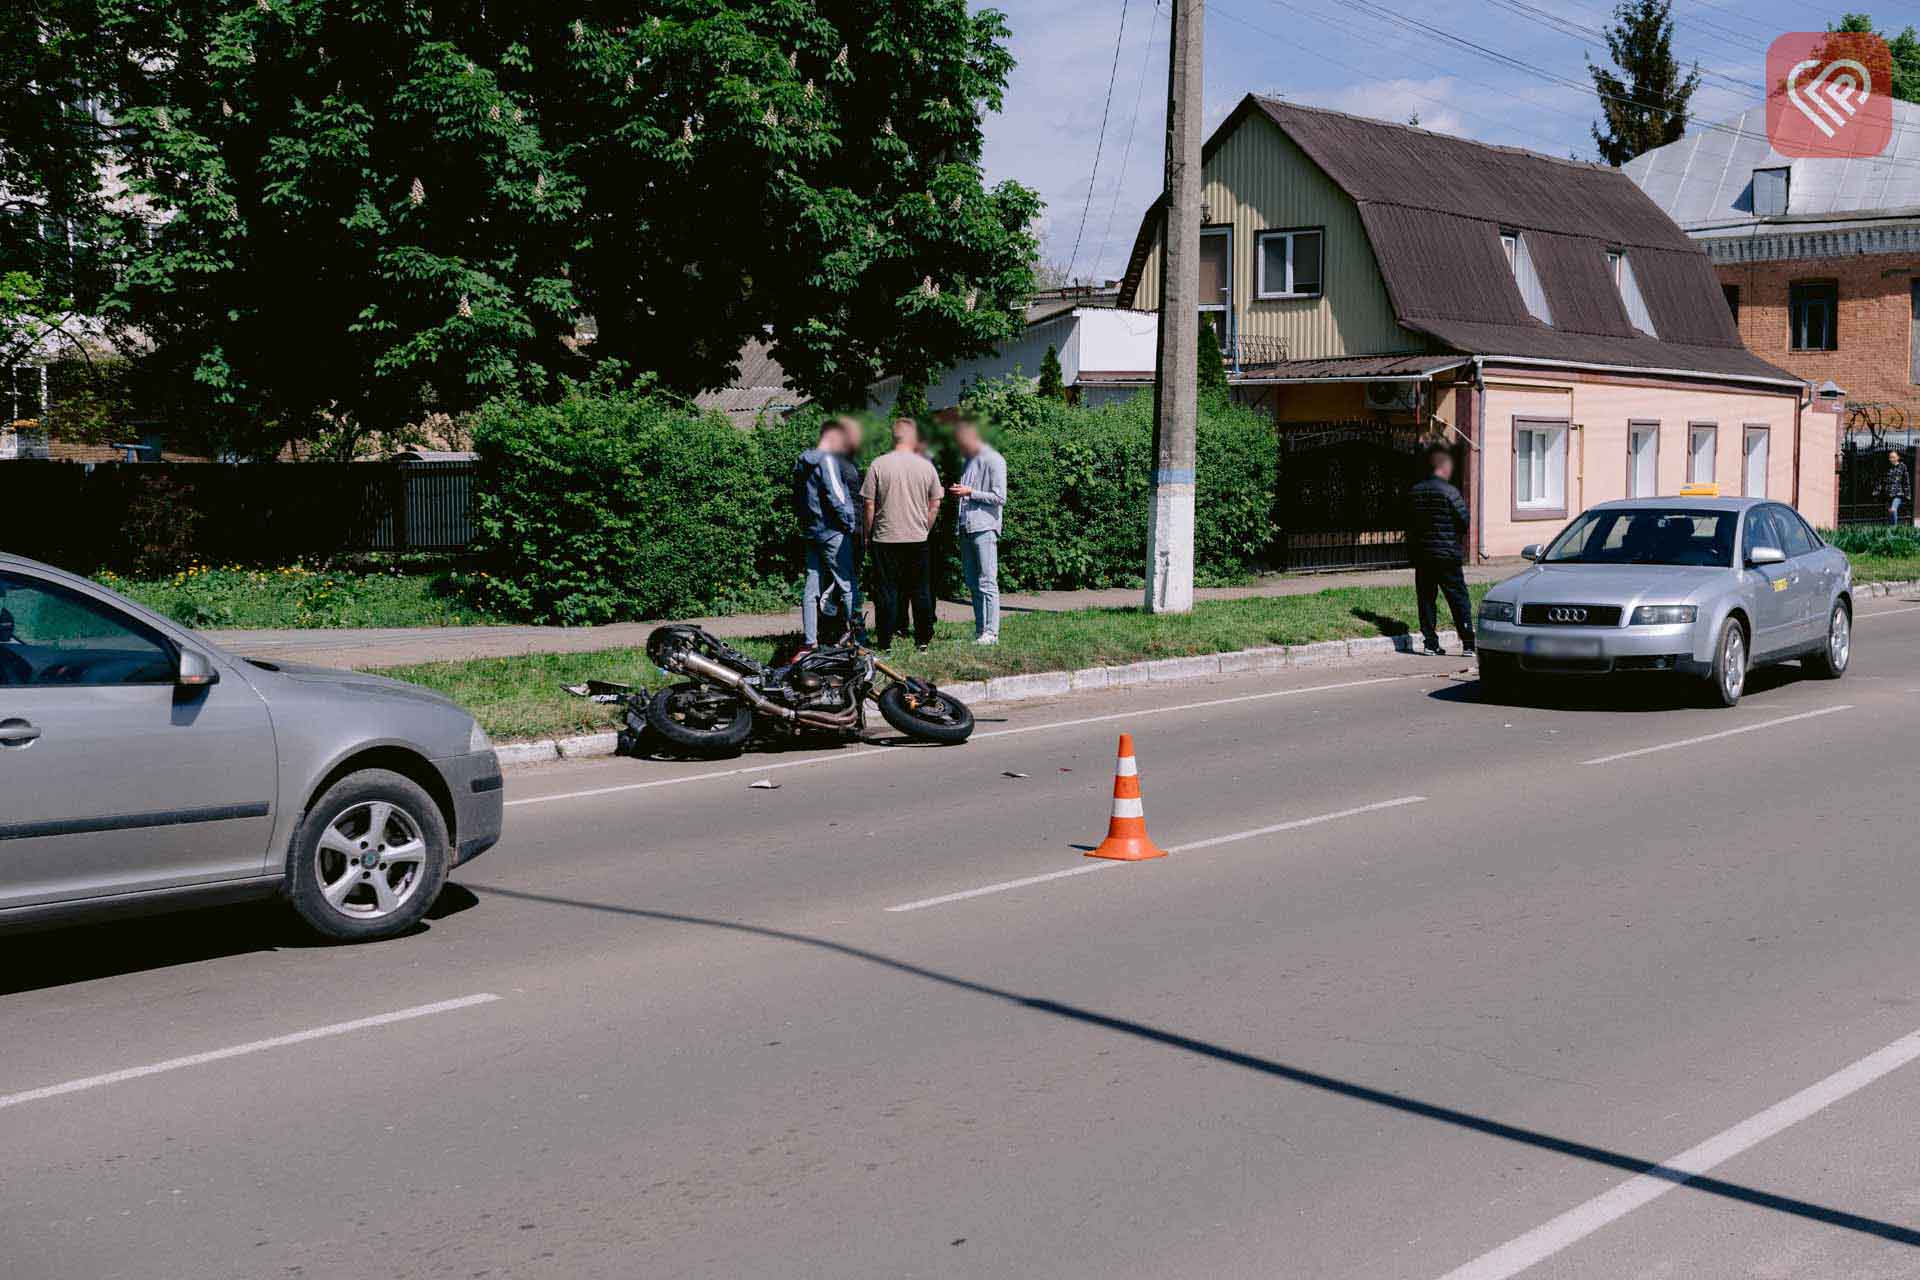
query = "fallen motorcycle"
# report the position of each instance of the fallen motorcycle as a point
(727, 695)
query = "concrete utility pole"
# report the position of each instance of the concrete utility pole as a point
(1175, 389)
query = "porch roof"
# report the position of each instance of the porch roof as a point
(1404, 368)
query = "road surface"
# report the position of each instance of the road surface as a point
(1603, 988)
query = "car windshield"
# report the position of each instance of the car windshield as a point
(1647, 535)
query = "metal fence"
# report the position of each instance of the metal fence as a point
(112, 514)
(1341, 497)
(1873, 431)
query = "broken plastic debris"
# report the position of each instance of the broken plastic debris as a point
(765, 784)
(1011, 774)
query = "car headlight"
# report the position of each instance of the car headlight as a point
(477, 741)
(1661, 615)
(1496, 610)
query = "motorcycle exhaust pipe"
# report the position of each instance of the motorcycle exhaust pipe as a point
(695, 665)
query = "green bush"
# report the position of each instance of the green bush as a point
(1875, 540)
(610, 505)
(1079, 483)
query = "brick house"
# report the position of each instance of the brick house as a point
(1819, 259)
(1378, 284)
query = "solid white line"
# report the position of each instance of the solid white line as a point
(859, 752)
(1713, 737)
(1024, 881)
(1515, 1256)
(1886, 613)
(235, 1051)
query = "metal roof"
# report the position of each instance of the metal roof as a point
(1705, 180)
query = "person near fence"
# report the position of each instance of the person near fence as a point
(1437, 545)
(981, 494)
(1896, 487)
(902, 495)
(828, 526)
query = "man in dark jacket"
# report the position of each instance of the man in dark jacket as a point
(824, 508)
(1897, 488)
(1437, 545)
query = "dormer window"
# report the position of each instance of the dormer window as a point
(1515, 246)
(1621, 269)
(1771, 190)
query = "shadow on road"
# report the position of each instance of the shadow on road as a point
(1278, 1070)
(1628, 693)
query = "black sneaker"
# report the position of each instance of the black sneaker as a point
(1434, 651)
(1468, 649)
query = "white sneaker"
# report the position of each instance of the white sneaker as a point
(992, 637)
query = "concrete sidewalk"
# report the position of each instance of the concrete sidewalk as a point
(403, 646)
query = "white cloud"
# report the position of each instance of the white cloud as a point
(1399, 101)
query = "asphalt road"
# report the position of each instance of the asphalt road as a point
(1608, 987)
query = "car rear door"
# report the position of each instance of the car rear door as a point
(112, 779)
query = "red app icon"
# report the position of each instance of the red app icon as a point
(1829, 94)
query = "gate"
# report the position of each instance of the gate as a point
(1341, 497)
(1873, 431)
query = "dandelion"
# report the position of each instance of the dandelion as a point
(418, 193)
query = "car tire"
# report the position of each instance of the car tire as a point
(1829, 662)
(1731, 662)
(367, 815)
(1500, 677)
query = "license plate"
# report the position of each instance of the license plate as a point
(1563, 647)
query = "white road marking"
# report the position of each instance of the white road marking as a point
(1724, 733)
(1515, 1256)
(1886, 613)
(1191, 845)
(860, 752)
(235, 1051)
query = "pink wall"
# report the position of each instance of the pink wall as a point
(1596, 465)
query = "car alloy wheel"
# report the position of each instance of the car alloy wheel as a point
(1733, 663)
(371, 860)
(1839, 639)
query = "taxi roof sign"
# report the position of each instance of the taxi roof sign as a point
(1700, 489)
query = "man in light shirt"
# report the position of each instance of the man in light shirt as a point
(902, 495)
(982, 495)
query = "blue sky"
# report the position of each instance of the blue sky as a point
(1330, 53)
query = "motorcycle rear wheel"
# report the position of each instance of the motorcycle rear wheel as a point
(937, 719)
(693, 718)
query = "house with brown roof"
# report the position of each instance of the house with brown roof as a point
(1543, 315)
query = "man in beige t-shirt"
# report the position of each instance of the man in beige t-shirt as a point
(902, 495)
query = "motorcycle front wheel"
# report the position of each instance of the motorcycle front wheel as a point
(937, 718)
(696, 718)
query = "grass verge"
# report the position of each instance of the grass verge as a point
(522, 697)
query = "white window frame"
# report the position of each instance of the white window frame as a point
(1526, 277)
(1556, 435)
(1694, 431)
(1748, 432)
(1639, 426)
(1226, 302)
(1291, 236)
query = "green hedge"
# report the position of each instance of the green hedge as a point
(622, 505)
(608, 506)
(1875, 539)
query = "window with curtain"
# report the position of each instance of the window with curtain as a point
(1703, 445)
(1290, 264)
(1813, 315)
(1643, 459)
(1532, 293)
(1540, 467)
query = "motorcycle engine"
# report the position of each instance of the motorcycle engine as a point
(815, 691)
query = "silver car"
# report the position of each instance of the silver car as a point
(142, 768)
(1705, 586)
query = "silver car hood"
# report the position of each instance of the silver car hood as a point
(357, 682)
(1610, 583)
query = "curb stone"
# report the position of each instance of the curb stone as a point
(1051, 684)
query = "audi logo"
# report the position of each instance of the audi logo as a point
(1566, 615)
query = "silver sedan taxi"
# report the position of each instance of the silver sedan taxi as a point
(1706, 586)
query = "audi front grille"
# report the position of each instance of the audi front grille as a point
(1570, 615)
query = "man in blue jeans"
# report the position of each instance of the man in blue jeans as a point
(829, 527)
(982, 495)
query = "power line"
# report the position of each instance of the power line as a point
(1126, 153)
(1598, 39)
(1101, 143)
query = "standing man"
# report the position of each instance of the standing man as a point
(982, 495)
(1897, 488)
(823, 505)
(851, 434)
(1436, 543)
(902, 495)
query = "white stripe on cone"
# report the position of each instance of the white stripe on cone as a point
(1127, 808)
(1127, 768)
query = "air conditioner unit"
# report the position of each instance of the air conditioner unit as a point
(1390, 397)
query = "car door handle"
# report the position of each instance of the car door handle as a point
(17, 733)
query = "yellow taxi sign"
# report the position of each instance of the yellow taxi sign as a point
(1702, 489)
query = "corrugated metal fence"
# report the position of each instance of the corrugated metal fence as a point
(109, 514)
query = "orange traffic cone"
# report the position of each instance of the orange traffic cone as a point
(1127, 830)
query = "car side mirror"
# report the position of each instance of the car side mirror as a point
(196, 670)
(1765, 555)
(1531, 551)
